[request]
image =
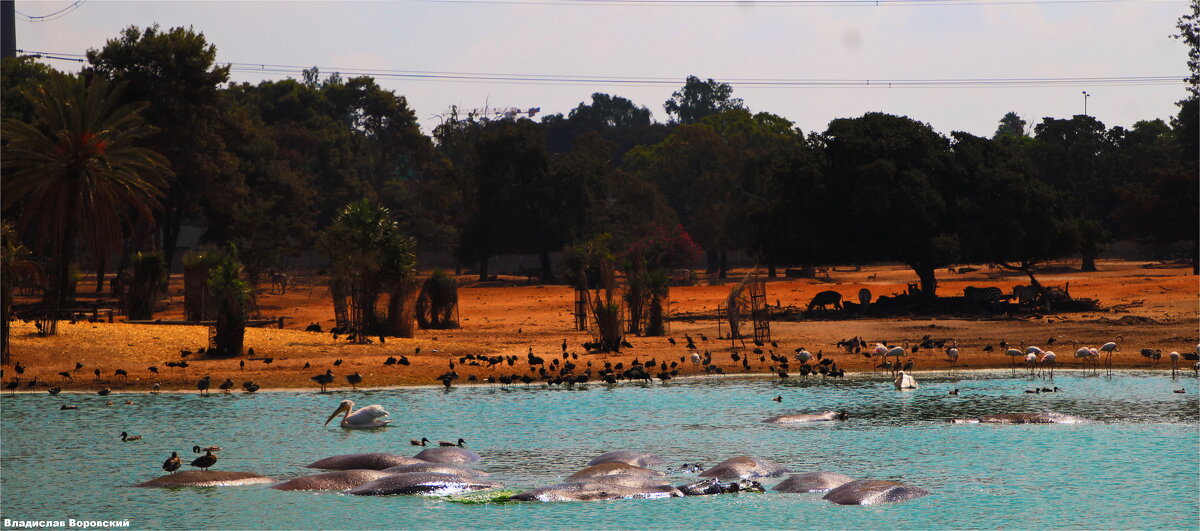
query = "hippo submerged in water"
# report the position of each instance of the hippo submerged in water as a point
(639, 459)
(206, 478)
(812, 482)
(588, 490)
(429, 483)
(369, 461)
(447, 456)
(744, 467)
(1021, 418)
(826, 416)
(873, 491)
(337, 480)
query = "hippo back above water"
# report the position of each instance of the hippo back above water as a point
(596, 490)
(807, 417)
(1022, 418)
(873, 491)
(744, 467)
(639, 459)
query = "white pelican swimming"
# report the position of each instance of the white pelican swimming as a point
(905, 382)
(361, 419)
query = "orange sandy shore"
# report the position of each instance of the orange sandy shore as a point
(1149, 306)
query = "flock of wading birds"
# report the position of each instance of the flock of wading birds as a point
(567, 370)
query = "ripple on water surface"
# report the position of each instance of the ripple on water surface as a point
(1118, 471)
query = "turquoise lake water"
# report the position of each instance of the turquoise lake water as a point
(1135, 465)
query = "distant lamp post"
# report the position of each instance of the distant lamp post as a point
(1085, 97)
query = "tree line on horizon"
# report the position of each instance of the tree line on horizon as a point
(163, 139)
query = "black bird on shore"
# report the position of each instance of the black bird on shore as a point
(19, 368)
(55, 390)
(203, 384)
(153, 370)
(97, 373)
(354, 379)
(226, 385)
(78, 366)
(12, 386)
(323, 379)
(66, 375)
(104, 392)
(172, 463)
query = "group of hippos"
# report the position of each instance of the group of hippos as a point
(611, 476)
(445, 471)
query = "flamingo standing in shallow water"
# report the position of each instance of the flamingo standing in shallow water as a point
(1174, 363)
(1109, 348)
(1089, 357)
(1013, 354)
(1048, 361)
(362, 419)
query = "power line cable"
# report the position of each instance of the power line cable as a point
(778, 3)
(53, 16)
(650, 81)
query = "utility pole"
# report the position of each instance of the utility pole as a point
(1085, 97)
(8, 26)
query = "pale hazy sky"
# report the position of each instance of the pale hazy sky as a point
(974, 39)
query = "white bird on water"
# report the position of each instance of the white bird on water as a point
(905, 382)
(361, 419)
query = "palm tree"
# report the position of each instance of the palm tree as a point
(368, 252)
(78, 170)
(230, 294)
(658, 285)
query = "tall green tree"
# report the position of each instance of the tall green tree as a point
(1069, 155)
(698, 99)
(1002, 214)
(616, 119)
(264, 206)
(176, 70)
(18, 75)
(897, 168)
(696, 169)
(1189, 33)
(80, 171)
(520, 207)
